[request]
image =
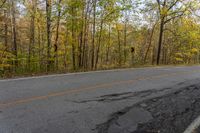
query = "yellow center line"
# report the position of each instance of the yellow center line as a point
(95, 87)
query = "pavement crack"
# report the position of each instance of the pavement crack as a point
(103, 128)
(173, 112)
(122, 96)
(115, 95)
(166, 108)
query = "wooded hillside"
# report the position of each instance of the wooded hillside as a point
(39, 36)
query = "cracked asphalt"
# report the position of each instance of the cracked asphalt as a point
(147, 100)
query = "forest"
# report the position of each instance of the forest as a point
(55, 36)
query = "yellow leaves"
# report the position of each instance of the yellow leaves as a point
(194, 51)
(188, 55)
(179, 59)
(164, 11)
(119, 27)
(179, 55)
(5, 65)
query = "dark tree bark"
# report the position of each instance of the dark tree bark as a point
(119, 47)
(73, 40)
(5, 29)
(160, 40)
(125, 40)
(39, 43)
(57, 35)
(164, 7)
(99, 44)
(81, 37)
(85, 58)
(14, 33)
(108, 46)
(150, 43)
(94, 32)
(48, 21)
(32, 32)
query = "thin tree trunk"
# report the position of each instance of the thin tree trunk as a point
(81, 39)
(108, 46)
(5, 30)
(14, 34)
(73, 41)
(125, 41)
(39, 43)
(99, 44)
(57, 35)
(84, 39)
(94, 31)
(32, 32)
(160, 40)
(150, 42)
(48, 11)
(119, 47)
(86, 53)
(65, 52)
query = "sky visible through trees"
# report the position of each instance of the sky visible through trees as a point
(46, 36)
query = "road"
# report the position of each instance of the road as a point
(93, 102)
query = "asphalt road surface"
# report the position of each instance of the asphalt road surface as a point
(117, 101)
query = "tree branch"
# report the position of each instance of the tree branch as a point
(173, 5)
(158, 1)
(168, 20)
(4, 1)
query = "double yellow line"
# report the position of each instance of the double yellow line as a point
(89, 88)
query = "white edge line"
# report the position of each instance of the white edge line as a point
(78, 73)
(193, 126)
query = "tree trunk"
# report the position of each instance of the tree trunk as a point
(160, 40)
(84, 39)
(5, 30)
(81, 37)
(39, 43)
(125, 41)
(119, 47)
(99, 44)
(32, 32)
(94, 31)
(150, 42)
(14, 34)
(48, 19)
(73, 41)
(57, 35)
(108, 46)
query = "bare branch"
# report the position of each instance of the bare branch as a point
(173, 5)
(4, 1)
(158, 1)
(168, 20)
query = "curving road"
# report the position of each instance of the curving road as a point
(89, 102)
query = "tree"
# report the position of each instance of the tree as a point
(48, 24)
(94, 32)
(81, 35)
(169, 10)
(14, 32)
(57, 33)
(32, 30)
